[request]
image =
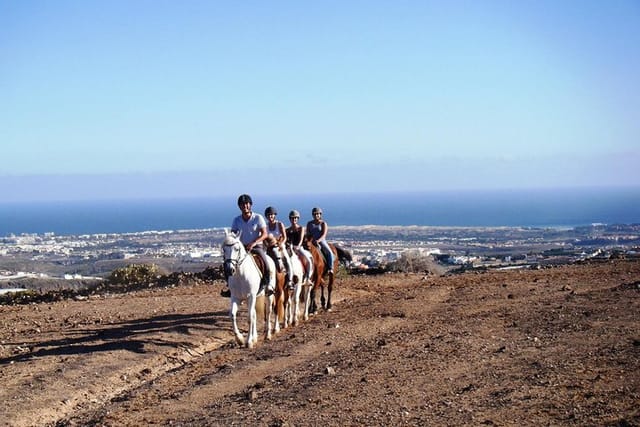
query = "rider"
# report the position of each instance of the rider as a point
(276, 229)
(253, 230)
(295, 237)
(318, 228)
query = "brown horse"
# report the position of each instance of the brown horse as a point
(321, 276)
(281, 292)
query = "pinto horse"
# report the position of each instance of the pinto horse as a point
(244, 277)
(301, 283)
(280, 295)
(321, 275)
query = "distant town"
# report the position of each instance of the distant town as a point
(93, 257)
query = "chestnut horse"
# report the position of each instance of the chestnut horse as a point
(244, 281)
(321, 276)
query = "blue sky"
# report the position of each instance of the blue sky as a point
(137, 98)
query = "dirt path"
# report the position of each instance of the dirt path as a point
(556, 346)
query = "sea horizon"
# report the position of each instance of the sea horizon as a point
(469, 208)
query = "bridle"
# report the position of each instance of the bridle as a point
(235, 262)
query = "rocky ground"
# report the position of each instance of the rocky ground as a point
(558, 346)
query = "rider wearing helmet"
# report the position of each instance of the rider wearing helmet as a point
(318, 228)
(253, 230)
(276, 230)
(295, 237)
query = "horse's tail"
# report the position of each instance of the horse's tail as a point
(344, 256)
(260, 312)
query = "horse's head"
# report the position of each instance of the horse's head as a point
(233, 252)
(275, 250)
(308, 241)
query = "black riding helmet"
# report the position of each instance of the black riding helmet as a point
(270, 210)
(244, 198)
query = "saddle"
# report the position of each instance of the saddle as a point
(260, 263)
(325, 257)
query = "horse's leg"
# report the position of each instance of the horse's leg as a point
(278, 303)
(306, 291)
(268, 304)
(287, 308)
(329, 290)
(295, 304)
(323, 301)
(282, 294)
(291, 306)
(332, 277)
(252, 337)
(233, 314)
(312, 300)
(294, 300)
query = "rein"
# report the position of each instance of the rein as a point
(236, 262)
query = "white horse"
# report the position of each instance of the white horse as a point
(302, 283)
(244, 281)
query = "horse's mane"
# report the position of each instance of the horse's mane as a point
(343, 255)
(230, 239)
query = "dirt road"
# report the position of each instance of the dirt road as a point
(558, 346)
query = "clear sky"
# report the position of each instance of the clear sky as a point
(151, 98)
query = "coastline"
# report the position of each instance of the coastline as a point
(490, 208)
(70, 261)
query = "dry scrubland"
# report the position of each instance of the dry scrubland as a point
(557, 346)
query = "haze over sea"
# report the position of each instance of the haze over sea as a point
(532, 208)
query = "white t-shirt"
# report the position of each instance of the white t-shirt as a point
(250, 229)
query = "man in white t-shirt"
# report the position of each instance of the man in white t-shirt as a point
(254, 230)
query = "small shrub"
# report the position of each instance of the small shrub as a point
(135, 274)
(413, 261)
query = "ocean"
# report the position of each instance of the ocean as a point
(528, 208)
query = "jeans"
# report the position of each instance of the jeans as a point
(327, 252)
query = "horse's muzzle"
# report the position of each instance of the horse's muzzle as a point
(229, 268)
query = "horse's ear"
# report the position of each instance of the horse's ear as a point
(228, 232)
